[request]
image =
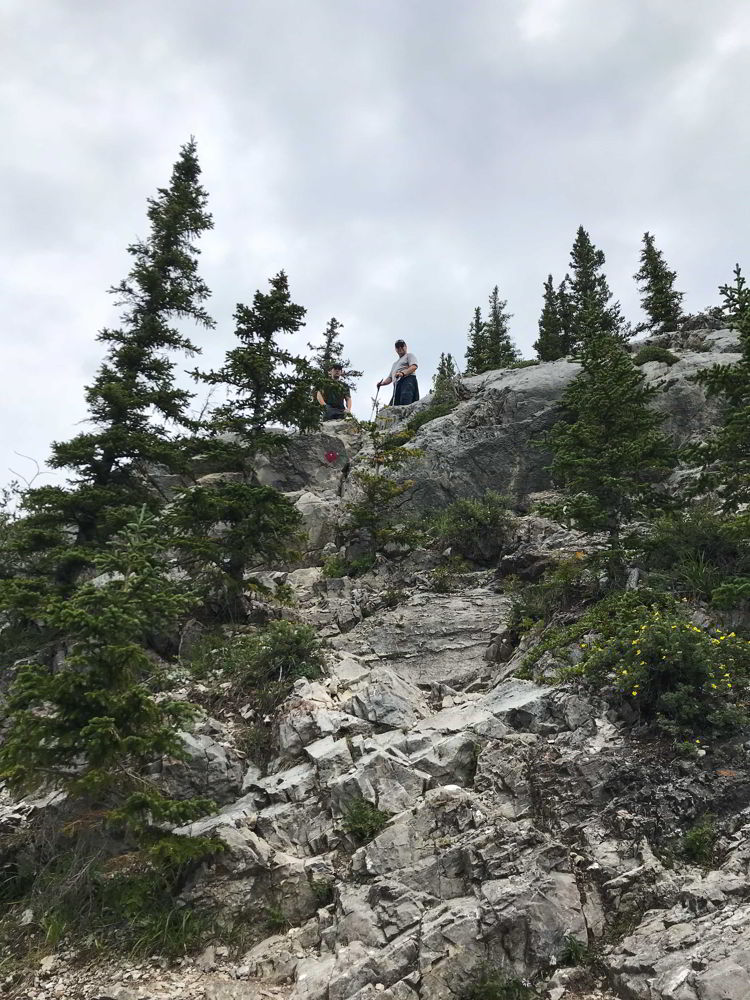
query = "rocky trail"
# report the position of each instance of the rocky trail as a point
(430, 813)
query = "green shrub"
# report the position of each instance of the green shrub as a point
(574, 952)
(448, 577)
(430, 413)
(476, 529)
(529, 363)
(262, 666)
(336, 566)
(699, 844)
(126, 903)
(566, 585)
(653, 353)
(694, 552)
(364, 820)
(495, 984)
(686, 679)
(324, 891)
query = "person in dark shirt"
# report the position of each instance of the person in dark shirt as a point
(337, 400)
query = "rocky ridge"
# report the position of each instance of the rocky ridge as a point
(518, 817)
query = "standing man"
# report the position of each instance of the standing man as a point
(337, 402)
(405, 387)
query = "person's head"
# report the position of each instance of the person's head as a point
(335, 371)
(401, 348)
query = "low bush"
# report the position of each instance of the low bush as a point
(683, 678)
(262, 666)
(695, 552)
(568, 584)
(430, 413)
(476, 529)
(698, 845)
(653, 353)
(364, 820)
(449, 576)
(73, 889)
(336, 566)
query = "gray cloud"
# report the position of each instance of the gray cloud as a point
(398, 159)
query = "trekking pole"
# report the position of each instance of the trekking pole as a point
(375, 404)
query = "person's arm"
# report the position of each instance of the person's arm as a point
(385, 381)
(349, 403)
(319, 397)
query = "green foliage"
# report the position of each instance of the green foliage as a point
(496, 984)
(490, 344)
(608, 452)
(477, 529)
(698, 845)
(268, 386)
(330, 354)
(653, 353)
(262, 665)
(133, 401)
(554, 337)
(590, 311)
(382, 497)
(126, 903)
(93, 724)
(659, 299)
(566, 585)
(429, 413)
(684, 678)
(364, 820)
(444, 383)
(337, 566)
(575, 952)
(222, 528)
(695, 552)
(448, 577)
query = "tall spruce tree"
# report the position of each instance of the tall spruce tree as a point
(660, 300)
(476, 349)
(552, 342)
(134, 404)
(501, 351)
(609, 453)
(269, 386)
(725, 457)
(592, 311)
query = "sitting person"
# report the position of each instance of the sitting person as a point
(337, 401)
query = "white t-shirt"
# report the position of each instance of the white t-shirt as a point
(403, 362)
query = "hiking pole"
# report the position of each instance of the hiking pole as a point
(375, 403)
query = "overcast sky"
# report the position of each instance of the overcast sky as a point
(397, 157)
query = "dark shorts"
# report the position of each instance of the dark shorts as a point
(405, 391)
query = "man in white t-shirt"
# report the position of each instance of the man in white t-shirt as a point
(405, 387)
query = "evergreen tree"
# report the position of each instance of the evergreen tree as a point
(331, 352)
(551, 344)
(609, 453)
(590, 296)
(500, 349)
(659, 299)
(726, 456)
(269, 386)
(444, 381)
(476, 349)
(133, 402)
(93, 724)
